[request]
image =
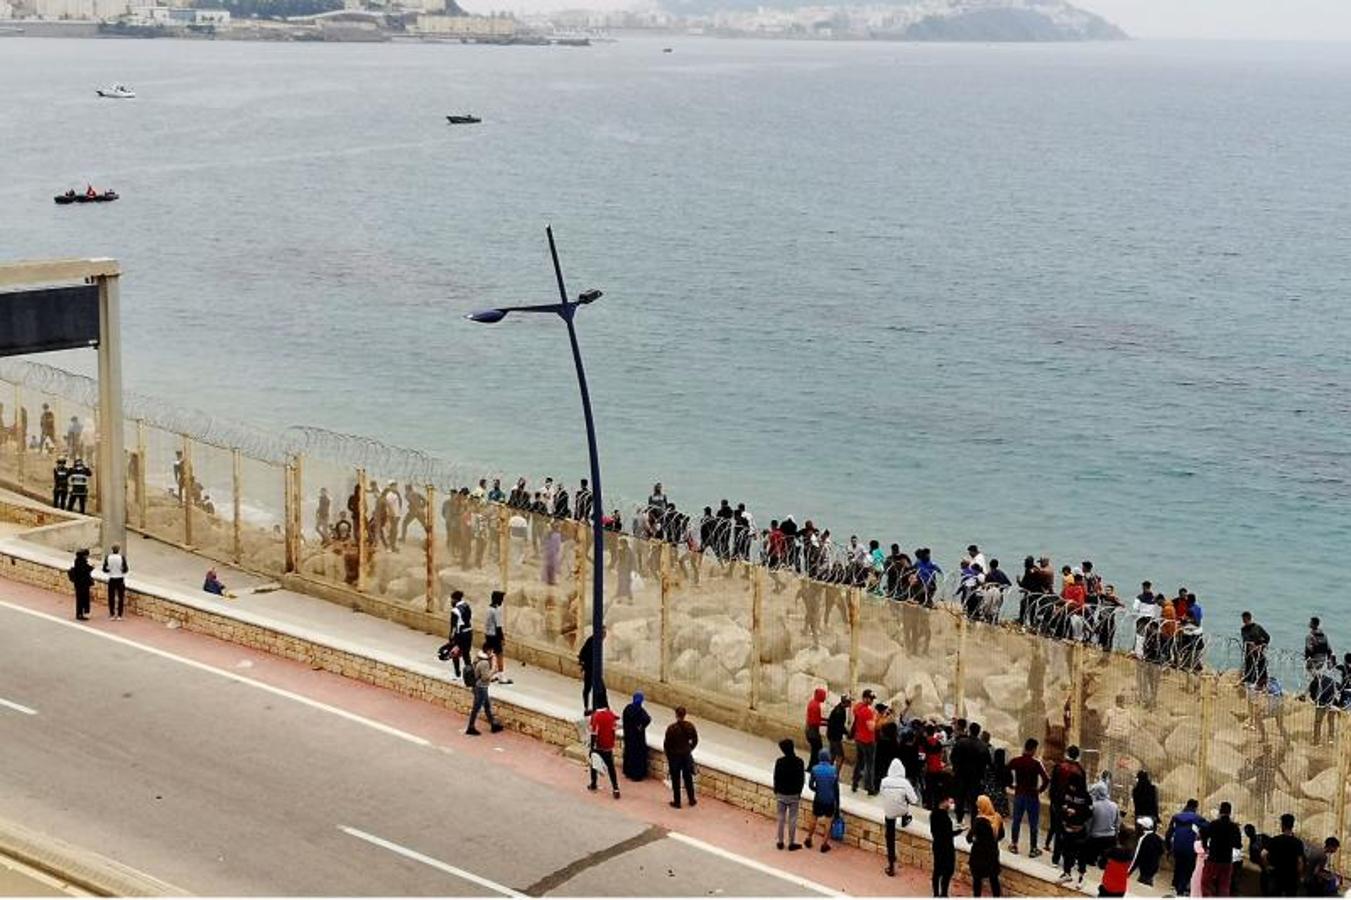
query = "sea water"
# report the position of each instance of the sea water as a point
(1087, 300)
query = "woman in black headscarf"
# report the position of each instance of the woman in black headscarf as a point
(636, 721)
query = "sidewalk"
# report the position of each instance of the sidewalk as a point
(176, 575)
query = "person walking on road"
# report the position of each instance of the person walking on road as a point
(494, 637)
(790, 777)
(585, 658)
(897, 796)
(603, 745)
(479, 677)
(461, 630)
(944, 835)
(81, 575)
(115, 567)
(681, 739)
(824, 780)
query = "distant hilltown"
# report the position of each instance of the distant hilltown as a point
(445, 20)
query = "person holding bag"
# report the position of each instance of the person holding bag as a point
(824, 780)
(602, 745)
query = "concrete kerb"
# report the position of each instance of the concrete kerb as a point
(80, 868)
(746, 786)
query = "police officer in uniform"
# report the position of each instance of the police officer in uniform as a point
(79, 486)
(60, 483)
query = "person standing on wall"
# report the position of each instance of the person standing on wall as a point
(494, 638)
(81, 575)
(586, 657)
(60, 483)
(115, 567)
(681, 739)
(461, 630)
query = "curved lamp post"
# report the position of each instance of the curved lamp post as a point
(566, 309)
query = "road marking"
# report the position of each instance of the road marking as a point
(757, 866)
(17, 707)
(224, 673)
(429, 861)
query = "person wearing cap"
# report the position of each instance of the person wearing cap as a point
(79, 486)
(1149, 850)
(461, 630)
(81, 575)
(865, 744)
(60, 483)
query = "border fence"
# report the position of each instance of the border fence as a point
(725, 626)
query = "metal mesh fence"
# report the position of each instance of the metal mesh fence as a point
(262, 513)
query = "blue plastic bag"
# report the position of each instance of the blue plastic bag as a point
(837, 828)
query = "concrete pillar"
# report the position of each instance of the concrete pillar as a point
(112, 482)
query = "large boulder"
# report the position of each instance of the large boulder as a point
(774, 683)
(1185, 741)
(835, 669)
(731, 648)
(1322, 786)
(1179, 782)
(1007, 692)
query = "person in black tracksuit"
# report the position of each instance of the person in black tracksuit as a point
(79, 486)
(60, 483)
(586, 657)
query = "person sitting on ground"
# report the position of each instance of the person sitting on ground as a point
(213, 585)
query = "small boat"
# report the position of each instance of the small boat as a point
(463, 120)
(667, 50)
(117, 92)
(74, 197)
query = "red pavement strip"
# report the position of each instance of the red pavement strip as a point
(846, 869)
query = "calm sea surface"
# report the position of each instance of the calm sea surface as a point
(1089, 300)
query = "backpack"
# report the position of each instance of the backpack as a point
(470, 675)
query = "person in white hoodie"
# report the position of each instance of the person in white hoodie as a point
(897, 795)
(115, 565)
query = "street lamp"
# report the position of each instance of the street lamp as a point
(566, 309)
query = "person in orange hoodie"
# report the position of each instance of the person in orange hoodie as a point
(815, 721)
(1168, 625)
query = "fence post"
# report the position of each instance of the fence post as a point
(959, 701)
(1342, 719)
(20, 432)
(665, 634)
(855, 620)
(1075, 733)
(577, 596)
(363, 536)
(142, 463)
(289, 515)
(185, 490)
(237, 480)
(757, 633)
(433, 583)
(1208, 691)
(503, 544)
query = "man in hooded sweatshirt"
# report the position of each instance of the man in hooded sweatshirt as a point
(897, 795)
(815, 720)
(1104, 824)
(790, 777)
(825, 783)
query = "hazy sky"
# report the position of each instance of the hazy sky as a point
(1299, 20)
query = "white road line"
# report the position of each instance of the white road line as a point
(223, 673)
(17, 707)
(757, 866)
(429, 861)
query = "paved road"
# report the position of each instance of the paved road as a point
(226, 787)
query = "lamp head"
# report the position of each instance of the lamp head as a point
(487, 316)
(590, 296)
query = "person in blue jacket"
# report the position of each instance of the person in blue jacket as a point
(1183, 832)
(824, 780)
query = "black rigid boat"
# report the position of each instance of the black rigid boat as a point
(73, 197)
(463, 120)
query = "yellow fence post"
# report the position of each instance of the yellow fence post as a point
(1208, 691)
(855, 630)
(757, 633)
(20, 432)
(237, 480)
(185, 490)
(142, 463)
(503, 545)
(359, 526)
(289, 516)
(430, 529)
(959, 673)
(1342, 720)
(1075, 734)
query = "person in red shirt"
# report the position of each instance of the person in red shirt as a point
(603, 747)
(1116, 878)
(1029, 783)
(935, 782)
(865, 744)
(815, 721)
